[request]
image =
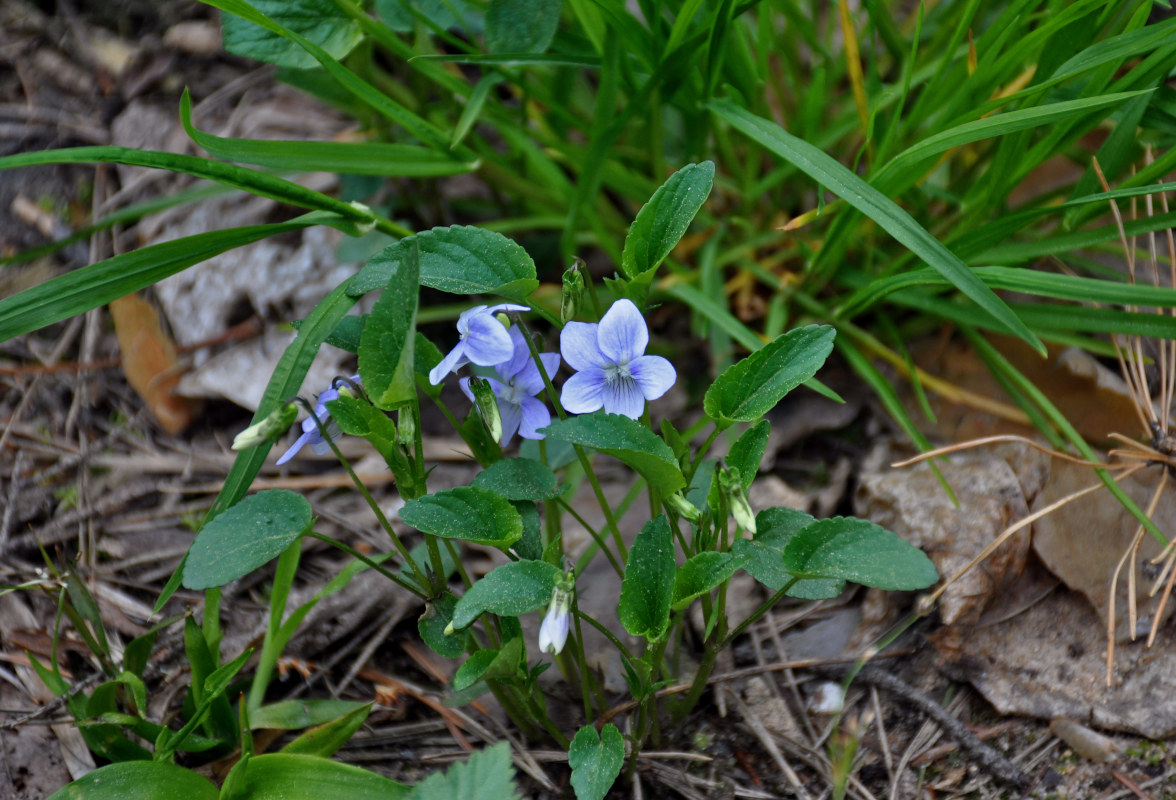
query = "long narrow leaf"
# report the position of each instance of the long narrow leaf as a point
(1031, 281)
(96, 285)
(353, 158)
(249, 180)
(894, 220)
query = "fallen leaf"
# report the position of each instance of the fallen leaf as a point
(149, 362)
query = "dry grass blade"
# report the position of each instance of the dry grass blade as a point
(1143, 364)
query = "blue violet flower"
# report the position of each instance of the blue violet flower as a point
(517, 384)
(484, 341)
(612, 370)
(310, 431)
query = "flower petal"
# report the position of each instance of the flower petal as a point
(464, 385)
(512, 416)
(654, 375)
(487, 344)
(624, 397)
(535, 416)
(520, 356)
(463, 319)
(294, 448)
(529, 381)
(506, 307)
(454, 359)
(577, 342)
(582, 393)
(623, 334)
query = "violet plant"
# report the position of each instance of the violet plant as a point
(700, 531)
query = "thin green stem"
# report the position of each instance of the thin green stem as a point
(422, 578)
(351, 551)
(598, 542)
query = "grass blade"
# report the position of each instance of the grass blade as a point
(865, 198)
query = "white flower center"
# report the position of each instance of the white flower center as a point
(615, 374)
(511, 394)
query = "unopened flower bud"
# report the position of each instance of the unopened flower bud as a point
(683, 506)
(406, 427)
(487, 406)
(732, 486)
(553, 633)
(449, 629)
(573, 292)
(269, 429)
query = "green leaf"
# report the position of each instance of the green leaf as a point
(487, 775)
(387, 345)
(903, 164)
(596, 761)
(509, 591)
(351, 158)
(661, 222)
(764, 555)
(97, 284)
(648, 585)
(358, 87)
(246, 536)
(521, 26)
(357, 417)
(459, 260)
(321, 21)
(252, 181)
(468, 513)
(431, 625)
(749, 389)
(846, 548)
(324, 740)
(624, 439)
(291, 776)
(519, 479)
(885, 212)
(701, 573)
(747, 452)
(530, 546)
(142, 780)
(292, 715)
(489, 664)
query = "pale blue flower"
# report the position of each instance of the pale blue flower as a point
(310, 431)
(517, 384)
(553, 633)
(484, 341)
(612, 370)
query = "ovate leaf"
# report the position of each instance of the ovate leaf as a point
(519, 479)
(648, 585)
(851, 549)
(387, 344)
(322, 22)
(764, 555)
(437, 615)
(489, 664)
(662, 221)
(468, 513)
(244, 537)
(509, 590)
(521, 26)
(596, 761)
(747, 452)
(701, 573)
(459, 260)
(627, 440)
(749, 389)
